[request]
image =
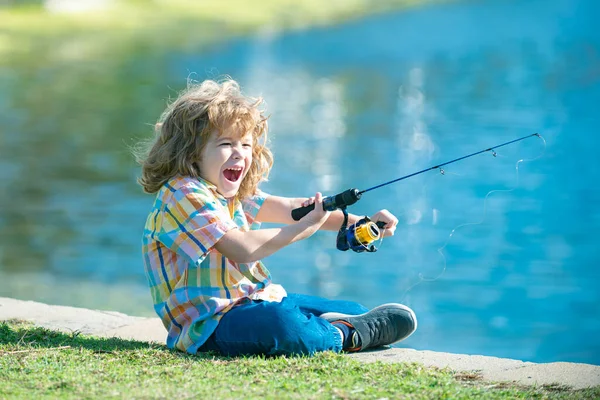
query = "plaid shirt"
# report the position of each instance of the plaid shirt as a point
(192, 284)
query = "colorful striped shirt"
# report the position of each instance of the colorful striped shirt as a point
(191, 283)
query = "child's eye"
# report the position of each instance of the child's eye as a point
(247, 145)
(225, 144)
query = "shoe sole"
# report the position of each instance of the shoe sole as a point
(333, 316)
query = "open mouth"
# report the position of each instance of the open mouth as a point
(233, 174)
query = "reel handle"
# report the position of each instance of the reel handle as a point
(330, 203)
(380, 224)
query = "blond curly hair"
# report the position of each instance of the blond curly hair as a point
(186, 125)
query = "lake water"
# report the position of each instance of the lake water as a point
(497, 256)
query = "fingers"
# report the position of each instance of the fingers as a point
(389, 231)
(385, 216)
(318, 197)
(319, 211)
(318, 200)
(390, 221)
(308, 201)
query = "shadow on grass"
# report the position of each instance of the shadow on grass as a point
(17, 335)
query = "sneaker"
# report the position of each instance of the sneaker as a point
(351, 339)
(383, 325)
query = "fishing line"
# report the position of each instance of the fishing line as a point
(439, 166)
(440, 250)
(360, 236)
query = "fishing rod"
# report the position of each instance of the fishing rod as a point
(365, 231)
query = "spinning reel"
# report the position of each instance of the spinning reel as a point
(360, 236)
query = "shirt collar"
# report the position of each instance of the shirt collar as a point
(213, 188)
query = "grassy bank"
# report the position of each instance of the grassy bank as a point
(171, 23)
(38, 363)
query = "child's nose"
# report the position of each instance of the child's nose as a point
(237, 151)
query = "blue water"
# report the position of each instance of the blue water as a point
(497, 256)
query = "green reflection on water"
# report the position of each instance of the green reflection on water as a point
(76, 91)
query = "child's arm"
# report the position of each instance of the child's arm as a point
(278, 210)
(245, 247)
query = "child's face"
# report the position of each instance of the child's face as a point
(226, 160)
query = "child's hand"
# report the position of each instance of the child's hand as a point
(317, 216)
(389, 219)
(308, 201)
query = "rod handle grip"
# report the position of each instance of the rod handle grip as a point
(330, 203)
(300, 212)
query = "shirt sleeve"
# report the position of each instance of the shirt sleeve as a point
(251, 206)
(193, 221)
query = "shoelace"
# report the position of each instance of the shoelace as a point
(380, 329)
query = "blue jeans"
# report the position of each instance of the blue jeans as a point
(291, 327)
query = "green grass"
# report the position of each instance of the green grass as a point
(173, 23)
(39, 363)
